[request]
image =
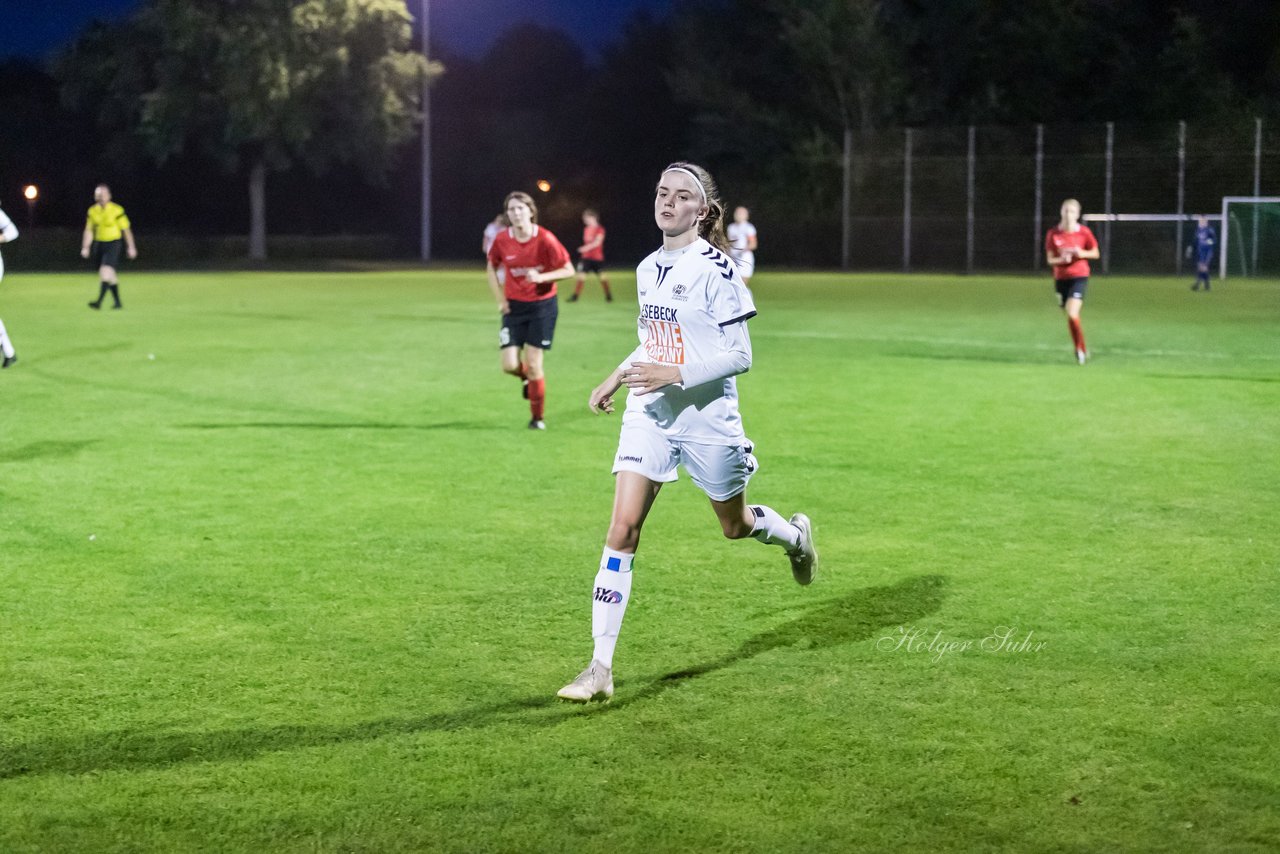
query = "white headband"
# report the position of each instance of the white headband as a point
(696, 180)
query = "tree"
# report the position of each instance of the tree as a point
(259, 84)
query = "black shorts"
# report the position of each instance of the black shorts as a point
(590, 265)
(532, 323)
(106, 253)
(1071, 289)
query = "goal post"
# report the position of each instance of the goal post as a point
(1249, 260)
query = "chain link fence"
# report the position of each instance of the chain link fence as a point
(967, 199)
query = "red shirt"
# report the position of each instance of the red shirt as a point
(1057, 240)
(590, 233)
(540, 253)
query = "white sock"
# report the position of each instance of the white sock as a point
(6, 346)
(772, 529)
(609, 602)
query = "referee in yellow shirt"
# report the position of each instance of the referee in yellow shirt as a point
(103, 230)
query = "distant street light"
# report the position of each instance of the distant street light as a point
(31, 192)
(544, 185)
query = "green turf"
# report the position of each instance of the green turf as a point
(303, 581)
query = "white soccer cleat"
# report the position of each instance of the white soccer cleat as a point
(595, 680)
(1081, 357)
(804, 560)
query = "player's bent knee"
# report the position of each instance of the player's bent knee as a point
(623, 536)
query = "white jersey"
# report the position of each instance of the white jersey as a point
(10, 232)
(687, 298)
(739, 242)
(491, 232)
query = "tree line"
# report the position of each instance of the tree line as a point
(299, 116)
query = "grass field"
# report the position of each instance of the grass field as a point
(303, 581)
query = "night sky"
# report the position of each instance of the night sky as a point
(34, 29)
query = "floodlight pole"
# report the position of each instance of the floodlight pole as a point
(426, 139)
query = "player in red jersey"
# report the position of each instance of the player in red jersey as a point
(532, 259)
(591, 255)
(1068, 247)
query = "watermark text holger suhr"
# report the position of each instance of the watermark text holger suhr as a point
(1007, 640)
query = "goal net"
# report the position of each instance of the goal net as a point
(1147, 243)
(1250, 236)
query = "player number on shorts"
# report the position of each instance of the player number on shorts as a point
(504, 337)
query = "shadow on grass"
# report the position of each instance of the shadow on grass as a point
(856, 616)
(327, 425)
(1232, 377)
(1000, 359)
(853, 618)
(46, 449)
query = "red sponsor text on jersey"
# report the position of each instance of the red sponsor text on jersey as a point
(590, 233)
(1057, 240)
(542, 252)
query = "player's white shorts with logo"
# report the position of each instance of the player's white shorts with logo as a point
(746, 261)
(721, 471)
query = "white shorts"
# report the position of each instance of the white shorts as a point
(721, 471)
(746, 263)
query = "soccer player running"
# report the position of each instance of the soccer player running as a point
(591, 255)
(1206, 240)
(1069, 246)
(104, 227)
(682, 405)
(524, 263)
(8, 233)
(743, 243)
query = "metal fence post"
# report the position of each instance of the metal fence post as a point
(906, 202)
(1257, 189)
(1182, 192)
(1038, 241)
(969, 186)
(1106, 199)
(845, 209)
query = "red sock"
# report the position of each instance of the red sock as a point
(522, 372)
(537, 397)
(1077, 333)
(604, 283)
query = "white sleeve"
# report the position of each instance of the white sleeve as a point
(637, 355)
(7, 228)
(734, 359)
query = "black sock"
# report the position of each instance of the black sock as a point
(115, 293)
(103, 287)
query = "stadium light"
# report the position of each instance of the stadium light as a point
(426, 141)
(544, 185)
(31, 192)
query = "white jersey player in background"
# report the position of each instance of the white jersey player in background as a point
(742, 243)
(8, 232)
(682, 406)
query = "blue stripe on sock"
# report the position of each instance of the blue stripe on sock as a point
(614, 564)
(759, 511)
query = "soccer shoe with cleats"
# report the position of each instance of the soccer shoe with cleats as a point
(95, 305)
(1081, 357)
(591, 683)
(9, 360)
(537, 424)
(804, 560)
